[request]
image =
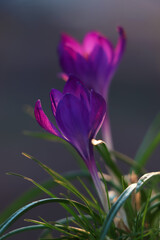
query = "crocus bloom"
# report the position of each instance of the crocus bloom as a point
(94, 62)
(79, 113)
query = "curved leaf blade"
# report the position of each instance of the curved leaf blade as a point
(146, 178)
(105, 154)
(149, 144)
(22, 229)
(115, 208)
(34, 192)
(29, 206)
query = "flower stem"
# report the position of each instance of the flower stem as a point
(99, 185)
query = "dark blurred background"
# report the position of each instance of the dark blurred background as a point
(29, 34)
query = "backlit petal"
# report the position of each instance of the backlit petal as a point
(94, 39)
(76, 88)
(55, 97)
(43, 120)
(97, 112)
(72, 119)
(121, 45)
(67, 58)
(71, 42)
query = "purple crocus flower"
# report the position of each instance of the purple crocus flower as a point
(79, 113)
(94, 62)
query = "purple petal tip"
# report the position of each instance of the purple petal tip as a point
(121, 31)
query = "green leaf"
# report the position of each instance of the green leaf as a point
(70, 210)
(115, 208)
(66, 221)
(34, 192)
(36, 227)
(153, 176)
(62, 181)
(149, 144)
(105, 154)
(22, 229)
(29, 206)
(145, 213)
(67, 230)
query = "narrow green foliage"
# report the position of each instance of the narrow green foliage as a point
(153, 176)
(88, 191)
(156, 197)
(149, 144)
(43, 190)
(105, 154)
(115, 208)
(26, 208)
(62, 181)
(34, 192)
(145, 212)
(51, 226)
(45, 136)
(22, 229)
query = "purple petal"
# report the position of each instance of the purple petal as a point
(93, 39)
(67, 58)
(43, 120)
(101, 67)
(55, 97)
(90, 41)
(76, 88)
(72, 119)
(97, 113)
(68, 41)
(121, 45)
(72, 62)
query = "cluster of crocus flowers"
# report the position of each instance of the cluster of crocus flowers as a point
(81, 109)
(79, 113)
(94, 62)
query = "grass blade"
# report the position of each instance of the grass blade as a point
(115, 208)
(22, 229)
(149, 144)
(29, 206)
(105, 154)
(34, 192)
(153, 176)
(62, 181)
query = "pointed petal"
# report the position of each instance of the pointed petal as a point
(72, 62)
(97, 113)
(68, 50)
(72, 119)
(67, 57)
(94, 39)
(55, 97)
(121, 45)
(90, 41)
(43, 120)
(71, 42)
(76, 88)
(100, 67)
